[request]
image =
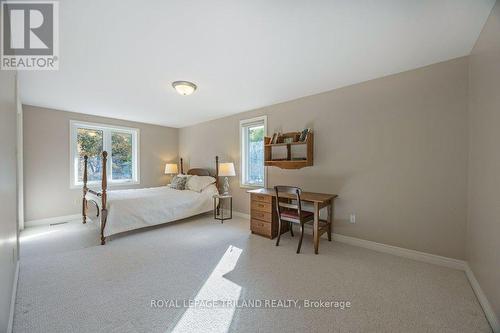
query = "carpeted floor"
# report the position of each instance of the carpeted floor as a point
(163, 279)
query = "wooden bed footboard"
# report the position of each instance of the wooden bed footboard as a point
(103, 211)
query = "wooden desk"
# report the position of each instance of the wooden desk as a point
(264, 219)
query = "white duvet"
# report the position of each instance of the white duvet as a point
(138, 208)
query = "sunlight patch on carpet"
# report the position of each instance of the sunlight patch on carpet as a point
(216, 288)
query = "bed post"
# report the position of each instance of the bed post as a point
(182, 166)
(217, 181)
(85, 190)
(217, 172)
(104, 211)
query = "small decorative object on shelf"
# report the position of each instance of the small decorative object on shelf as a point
(288, 140)
(273, 139)
(220, 208)
(303, 134)
(276, 138)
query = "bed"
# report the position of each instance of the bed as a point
(125, 210)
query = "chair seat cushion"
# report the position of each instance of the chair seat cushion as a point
(295, 214)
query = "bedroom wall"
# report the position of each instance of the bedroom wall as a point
(483, 229)
(46, 159)
(394, 149)
(8, 193)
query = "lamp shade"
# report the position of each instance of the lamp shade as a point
(226, 170)
(171, 169)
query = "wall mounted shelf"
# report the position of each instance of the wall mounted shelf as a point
(289, 162)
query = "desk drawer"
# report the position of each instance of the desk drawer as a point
(262, 197)
(263, 216)
(261, 228)
(262, 206)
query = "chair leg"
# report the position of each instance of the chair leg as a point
(279, 232)
(290, 224)
(301, 236)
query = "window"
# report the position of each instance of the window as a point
(121, 143)
(252, 132)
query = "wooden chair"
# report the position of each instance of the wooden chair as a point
(291, 213)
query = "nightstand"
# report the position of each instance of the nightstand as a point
(219, 211)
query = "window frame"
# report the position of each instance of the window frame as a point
(244, 123)
(107, 130)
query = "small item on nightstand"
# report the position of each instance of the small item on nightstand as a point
(219, 207)
(226, 170)
(171, 169)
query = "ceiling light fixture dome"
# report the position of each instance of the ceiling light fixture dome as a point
(184, 88)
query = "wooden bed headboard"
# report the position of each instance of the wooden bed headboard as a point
(198, 172)
(203, 172)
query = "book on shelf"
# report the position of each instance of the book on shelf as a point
(303, 134)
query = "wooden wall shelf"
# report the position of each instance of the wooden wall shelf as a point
(285, 144)
(289, 163)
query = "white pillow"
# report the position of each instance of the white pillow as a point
(199, 183)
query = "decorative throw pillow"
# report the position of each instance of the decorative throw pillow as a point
(199, 183)
(178, 183)
(184, 176)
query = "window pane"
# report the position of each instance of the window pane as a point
(121, 154)
(89, 142)
(255, 157)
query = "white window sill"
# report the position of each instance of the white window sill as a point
(251, 187)
(110, 185)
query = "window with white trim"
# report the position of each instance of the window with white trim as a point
(91, 139)
(252, 132)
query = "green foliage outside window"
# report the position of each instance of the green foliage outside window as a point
(90, 143)
(121, 144)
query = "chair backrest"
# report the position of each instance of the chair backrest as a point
(289, 190)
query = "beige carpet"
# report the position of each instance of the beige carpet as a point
(65, 286)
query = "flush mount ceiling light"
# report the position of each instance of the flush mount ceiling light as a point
(184, 88)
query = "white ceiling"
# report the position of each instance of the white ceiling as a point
(119, 57)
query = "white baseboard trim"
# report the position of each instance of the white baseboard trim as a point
(402, 252)
(52, 220)
(485, 304)
(243, 215)
(13, 299)
(398, 251)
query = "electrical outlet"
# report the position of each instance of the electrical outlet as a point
(352, 218)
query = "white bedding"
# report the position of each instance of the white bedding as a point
(138, 208)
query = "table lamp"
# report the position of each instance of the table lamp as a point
(171, 169)
(226, 170)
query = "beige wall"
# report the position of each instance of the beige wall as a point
(483, 230)
(8, 192)
(46, 159)
(394, 149)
